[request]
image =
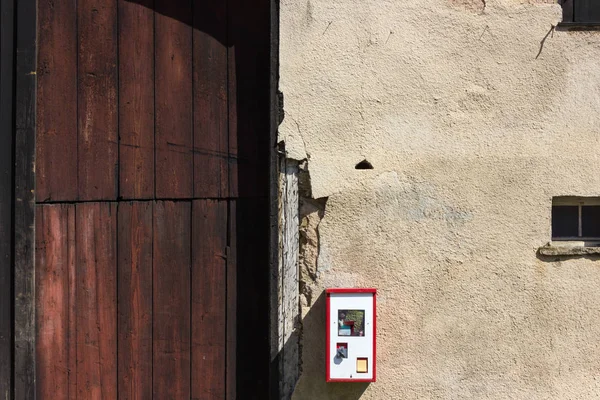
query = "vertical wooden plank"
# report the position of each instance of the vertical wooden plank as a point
(211, 155)
(96, 301)
(209, 298)
(56, 139)
(277, 276)
(135, 300)
(72, 337)
(136, 99)
(290, 302)
(97, 99)
(231, 350)
(171, 301)
(24, 200)
(173, 80)
(232, 105)
(6, 193)
(55, 347)
(249, 66)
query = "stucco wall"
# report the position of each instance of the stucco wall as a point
(471, 130)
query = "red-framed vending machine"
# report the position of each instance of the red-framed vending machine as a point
(351, 335)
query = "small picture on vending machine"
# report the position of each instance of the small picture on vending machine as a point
(351, 323)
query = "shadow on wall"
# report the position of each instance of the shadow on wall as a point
(312, 383)
(243, 28)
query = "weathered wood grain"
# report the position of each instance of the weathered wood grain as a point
(97, 100)
(173, 80)
(136, 99)
(209, 298)
(24, 200)
(211, 152)
(289, 291)
(276, 116)
(72, 295)
(6, 193)
(56, 138)
(171, 301)
(134, 281)
(55, 265)
(96, 306)
(167, 117)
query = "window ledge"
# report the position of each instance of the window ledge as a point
(566, 250)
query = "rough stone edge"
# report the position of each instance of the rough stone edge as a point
(568, 251)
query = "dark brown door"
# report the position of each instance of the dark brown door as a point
(152, 212)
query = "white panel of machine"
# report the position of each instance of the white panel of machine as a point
(351, 335)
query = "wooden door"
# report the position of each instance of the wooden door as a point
(152, 211)
(6, 194)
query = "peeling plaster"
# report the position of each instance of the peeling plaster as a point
(312, 212)
(473, 121)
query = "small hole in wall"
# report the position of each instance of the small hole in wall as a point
(364, 164)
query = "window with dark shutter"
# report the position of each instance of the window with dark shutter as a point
(581, 12)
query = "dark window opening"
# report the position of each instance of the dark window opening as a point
(575, 218)
(581, 12)
(590, 221)
(565, 221)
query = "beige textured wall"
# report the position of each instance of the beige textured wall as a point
(470, 133)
